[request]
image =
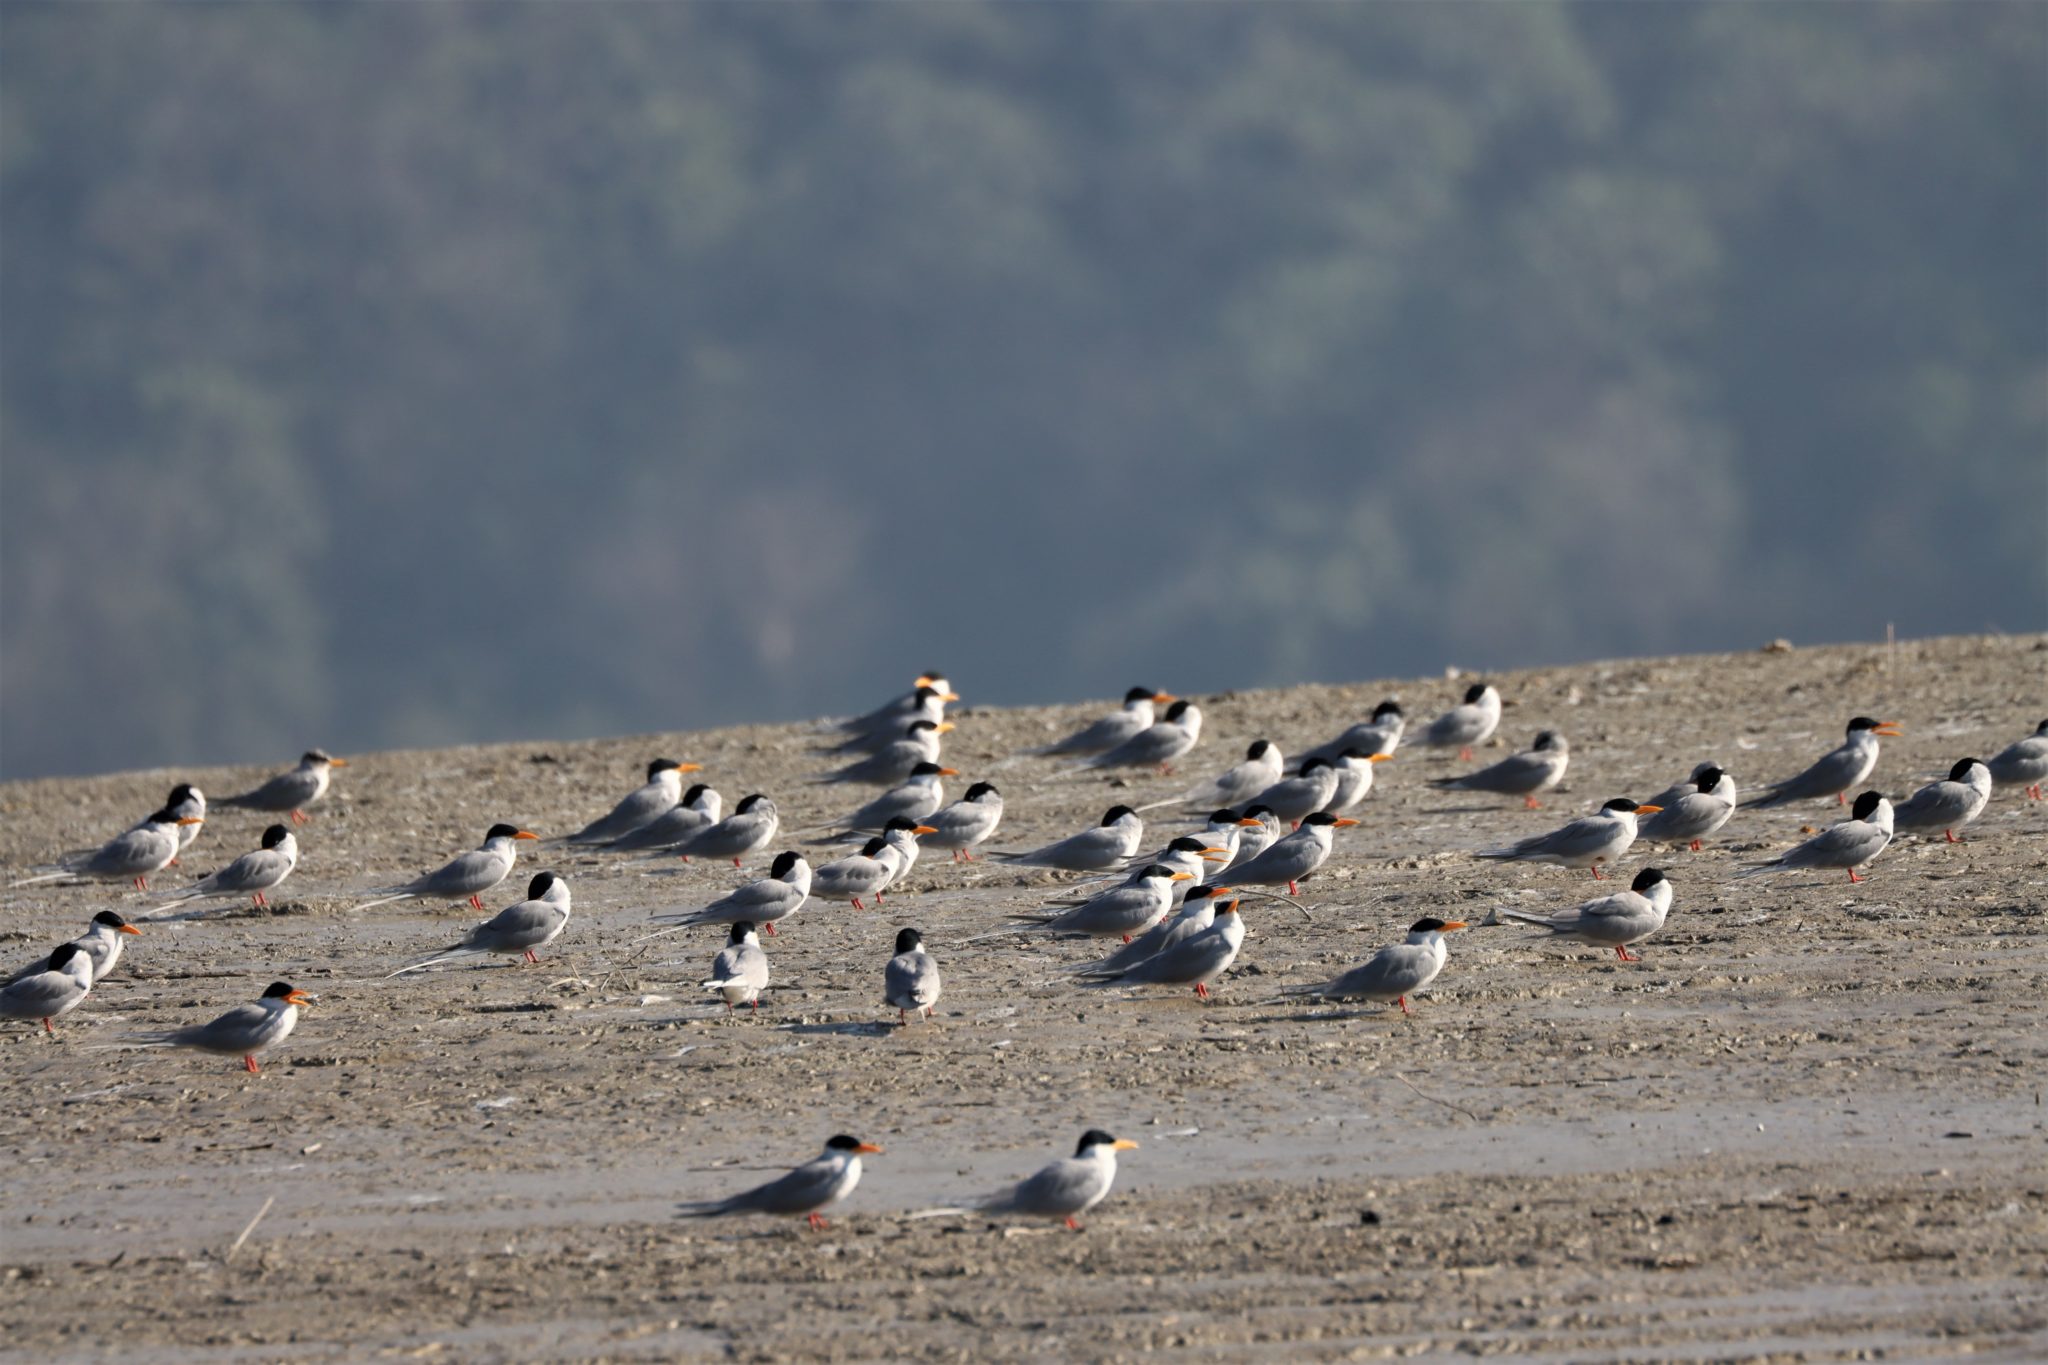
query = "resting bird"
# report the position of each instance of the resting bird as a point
(775, 897)
(246, 1031)
(1195, 961)
(967, 822)
(252, 874)
(466, 877)
(59, 988)
(1380, 735)
(1292, 859)
(817, 1184)
(1854, 843)
(1523, 774)
(1067, 1188)
(698, 810)
(1393, 973)
(293, 790)
(1689, 813)
(911, 980)
(1260, 769)
(1105, 846)
(640, 807)
(518, 929)
(893, 762)
(752, 825)
(2023, 763)
(101, 943)
(129, 856)
(1588, 841)
(1613, 921)
(1835, 771)
(1113, 729)
(740, 971)
(1470, 722)
(1157, 745)
(1947, 805)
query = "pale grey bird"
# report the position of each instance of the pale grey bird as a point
(740, 971)
(1472, 721)
(1538, 769)
(698, 810)
(1195, 853)
(1613, 921)
(1696, 811)
(1294, 799)
(880, 862)
(467, 876)
(101, 943)
(1947, 805)
(246, 1031)
(2023, 763)
(1835, 771)
(775, 897)
(1136, 715)
(59, 988)
(891, 716)
(186, 799)
(1197, 913)
(662, 793)
(1105, 846)
(1121, 911)
(129, 856)
(1158, 744)
(816, 1185)
(1854, 843)
(925, 703)
(1261, 768)
(1588, 841)
(292, 790)
(1380, 735)
(1195, 961)
(1068, 1187)
(1261, 827)
(1395, 972)
(893, 762)
(1354, 781)
(752, 825)
(1292, 859)
(519, 929)
(911, 980)
(260, 870)
(970, 821)
(1670, 796)
(919, 795)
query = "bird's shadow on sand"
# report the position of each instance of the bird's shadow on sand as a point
(877, 1028)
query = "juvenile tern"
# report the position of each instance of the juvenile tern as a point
(1693, 812)
(1524, 774)
(1092, 850)
(2023, 763)
(817, 1184)
(698, 810)
(59, 988)
(893, 762)
(967, 822)
(467, 877)
(1113, 729)
(1835, 771)
(292, 790)
(775, 897)
(1395, 972)
(1068, 1187)
(911, 980)
(129, 856)
(250, 875)
(740, 971)
(1195, 961)
(752, 825)
(1470, 722)
(1588, 841)
(101, 943)
(1380, 735)
(518, 929)
(1854, 843)
(1354, 781)
(640, 807)
(1947, 805)
(1294, 858)
(246, 1030)
(1293, 799)
(1261, 768)
(1613, 921)
(1158, 744)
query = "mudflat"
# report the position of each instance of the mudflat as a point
(1806, 1126)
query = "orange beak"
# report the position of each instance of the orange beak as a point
(298, 998)
(869, 1149)
(1342, 821)
(337, 763)
(1164, 697)
(1454, 926)
(689, 767)
(949, 772)
(924, 829)
(190, 820)
(526, 834)
(943, 726)
(949, 696)
(1254, 824)
(1648, 810)
(1183, 877)
(1379, 758)
(1888, 727)
(1123, 1145)
(129, 929)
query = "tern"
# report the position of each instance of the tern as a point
(101, 943)
(1614, 921)
(870, 872)
(816, 1185)
(292, 790)
(925, 703)
(1261, 768)
(252, 874)
(775, 897)
(1692, 810)
(1309, 790)
(1947, 805)
(740, 971)
(1067, 1188)
(467, 877)
(1113, 729)
(1835, 771)
(1523, 774)
(1293, 859)
(919, 795)
(1393, 973)
(1380, 735)
(1121, 911)
(752, 825)
(1588, 841)
(1354, 781)
(1470, 722)
(245, 1031)
(640, 807)
(518, 929)
(2023, 763)
(129, 856)
(1852, 844)
(891, 716)
(1260, 827)
(1195, 961)
(1092, 850)
(698, 810)
(1197, 913)
(967, 822)
(59, 988)
(893, 762)
(911, 980)
(1158, 744)
(186, 799)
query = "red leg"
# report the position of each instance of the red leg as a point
(1402, 1001)
(260, 901)
(249, 1065)
(769, 928)
(1695, 845)
(1841, 800)
(735, 862)
(1291, 888)
(1853, 877)
(686, 857)
(878, 898)
(816, 1220)
(1201, 991)
(1466, 753)
(857, 905)
(728, 1007)
(1072, 1224)
(1531, 803)
(474, 902)
(298, 817)
(1596, 873)
(901, 1018)
(176, 863)
(1950, 835)
(1621, 951)
(142, 883)
(530, 957)
(2035, 791)
(47, 1029)
(1127, 938)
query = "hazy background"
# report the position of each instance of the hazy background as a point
(415, 374)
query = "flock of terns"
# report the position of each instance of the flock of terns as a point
(1175, 909)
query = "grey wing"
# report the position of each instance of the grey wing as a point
(1575, 839)
(1832, 773)
(260, 870)
(525, 925)
(1106, 733)
(1511, 776)
(236, 1031)
(1285, 859)
(1066, 1187)
(638, 808)
(1459, 725)
(1938, 805)
(1183, 962)
(286, 791)
(138, 850)
(911, 981)
(672, 826)
(907, 802)
(40, 995)
(1685, 817)
(1386, 974)
(476, 870)
(803, 1189)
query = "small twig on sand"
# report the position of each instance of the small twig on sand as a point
(1448, 1104)
(247, 1230)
